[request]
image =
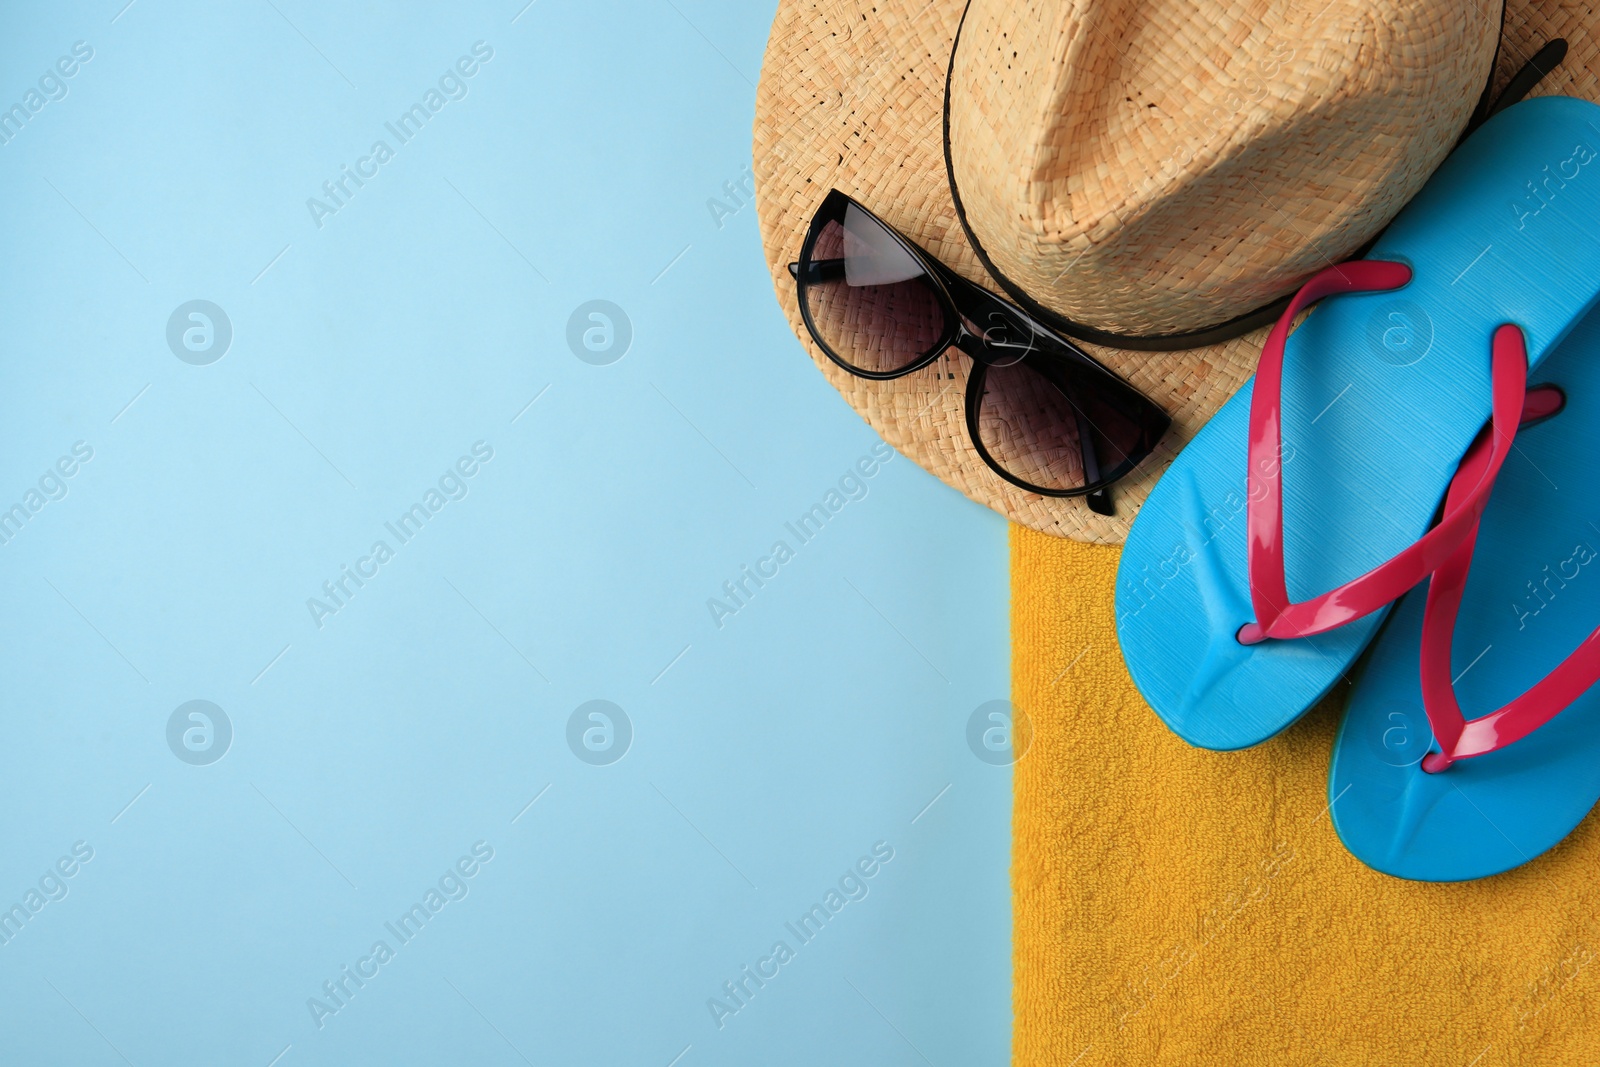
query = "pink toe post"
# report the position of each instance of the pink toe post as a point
(1277, 617)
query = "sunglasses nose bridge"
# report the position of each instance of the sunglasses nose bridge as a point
(994, 347)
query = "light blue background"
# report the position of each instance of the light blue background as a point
(368, 755)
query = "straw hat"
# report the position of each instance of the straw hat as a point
(1132, 171)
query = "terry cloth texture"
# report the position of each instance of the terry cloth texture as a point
(1178, 906)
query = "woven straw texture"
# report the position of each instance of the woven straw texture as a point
(1175, 165)
(851, 97)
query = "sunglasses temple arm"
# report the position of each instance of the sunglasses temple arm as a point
(1099, 501)
(819, 271)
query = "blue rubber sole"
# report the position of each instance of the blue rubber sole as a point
(1382, 394)
(1532, 596)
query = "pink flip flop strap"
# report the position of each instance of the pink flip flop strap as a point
(1277, 616)
(1458, 738)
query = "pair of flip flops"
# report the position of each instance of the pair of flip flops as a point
(1393, 448)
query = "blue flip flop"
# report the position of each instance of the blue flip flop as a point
(1372, 402)
(1482, 644)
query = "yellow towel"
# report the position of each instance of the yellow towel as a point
(1177, 906)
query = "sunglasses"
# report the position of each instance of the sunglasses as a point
(1042, 413)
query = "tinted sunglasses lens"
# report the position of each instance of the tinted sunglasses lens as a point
(869, 299)
(1060, 433)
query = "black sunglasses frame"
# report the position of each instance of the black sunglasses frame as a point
(1046, 352)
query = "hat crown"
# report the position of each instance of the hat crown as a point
(1147, 167)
